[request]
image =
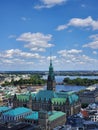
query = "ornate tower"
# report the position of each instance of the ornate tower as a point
(51, 78)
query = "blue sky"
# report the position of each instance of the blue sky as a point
(32, 29)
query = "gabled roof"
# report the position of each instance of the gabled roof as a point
(58, 101)
(24, 97)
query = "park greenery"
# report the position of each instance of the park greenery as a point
(80, 81)
(33, 80)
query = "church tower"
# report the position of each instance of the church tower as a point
(51, 78)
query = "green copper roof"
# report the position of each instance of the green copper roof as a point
(56, 97)
(33, 116)
(50, 67)
(55, 115)
(61, 94)
(17, 111)
(45, 94)
(58, 100)
(51, 72)
(4, 108)
(73, 98)
(25, 97)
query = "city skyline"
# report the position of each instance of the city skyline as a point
(31, 30)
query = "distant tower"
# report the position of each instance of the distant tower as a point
(51, 78)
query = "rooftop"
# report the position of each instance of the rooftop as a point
(17, 111)
(33, 116)
(57, 97)
(55, 115)
(4, 108)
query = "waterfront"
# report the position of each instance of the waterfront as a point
(61, 78)
(70, 87)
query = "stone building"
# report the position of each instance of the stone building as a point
(4, 109)
(50, 120)
(39, 119)
(49, 99)
(16, 114)
(89, 96)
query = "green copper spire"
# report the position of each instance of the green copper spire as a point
(51, 73)
(51, 78)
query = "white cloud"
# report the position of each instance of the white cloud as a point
(49, 3)
(15, 59)
(36, 41)
(52, 57)
(95, 52)
(75, 57)
(38, 49)
(7, 61)
(24, 18)
(12, 53)
(62, 27)
(94, 37)
(72, 51)
(79, 22)
(94, 43)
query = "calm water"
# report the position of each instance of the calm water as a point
(69, 87)
(60, 78)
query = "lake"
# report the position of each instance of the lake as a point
(60, 78)
(70, 87)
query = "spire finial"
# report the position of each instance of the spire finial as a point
(50, 58)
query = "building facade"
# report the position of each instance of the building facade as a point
(89, 96)
(49, 99)
(50, 120)
(15, 114)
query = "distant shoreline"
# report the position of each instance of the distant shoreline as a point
(57, 73)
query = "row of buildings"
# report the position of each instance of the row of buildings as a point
(49, 99)
(60, 105)
(45, 109)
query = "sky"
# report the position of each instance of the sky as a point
(32, 31)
